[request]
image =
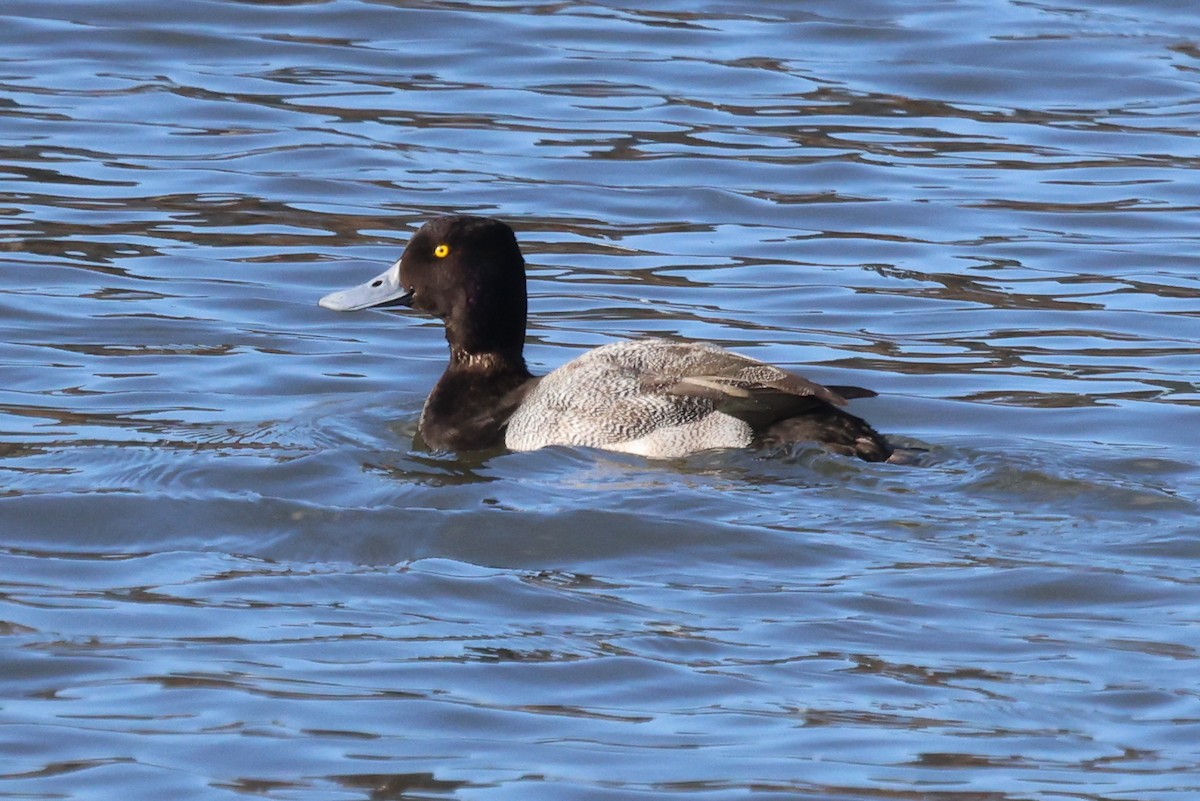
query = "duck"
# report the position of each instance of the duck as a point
(656, 398)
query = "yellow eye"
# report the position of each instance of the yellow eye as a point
(442, 251)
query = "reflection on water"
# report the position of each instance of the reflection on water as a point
(226, 571)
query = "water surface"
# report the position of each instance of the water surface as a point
(227, 572)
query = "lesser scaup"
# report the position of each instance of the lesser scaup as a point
(652, 397)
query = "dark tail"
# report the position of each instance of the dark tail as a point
(834, 430)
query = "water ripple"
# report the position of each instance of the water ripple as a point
(223, 557)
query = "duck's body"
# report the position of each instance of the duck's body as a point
(666, 399)
(635, 397)
(651, 397)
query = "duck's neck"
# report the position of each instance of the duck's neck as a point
(474, 398)
(492, 363)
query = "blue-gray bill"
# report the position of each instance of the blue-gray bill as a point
(384, 289)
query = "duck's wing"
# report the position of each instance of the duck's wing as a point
(784, 407)
(747, 388)
(850, 393)
(755, 383)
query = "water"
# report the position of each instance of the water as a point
(226, 572)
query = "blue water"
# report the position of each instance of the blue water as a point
(225, 570)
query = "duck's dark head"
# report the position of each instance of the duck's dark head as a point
(466, 270)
